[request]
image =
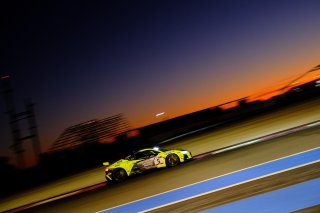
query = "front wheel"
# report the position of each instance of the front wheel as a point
(172, 160)
(119, 175)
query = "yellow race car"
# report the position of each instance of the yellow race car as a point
(143, 160)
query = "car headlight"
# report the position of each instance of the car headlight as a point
(184, 152)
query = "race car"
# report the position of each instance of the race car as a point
(143, 160)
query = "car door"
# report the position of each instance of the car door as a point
(149, 159)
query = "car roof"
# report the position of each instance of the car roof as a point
(149, 149)
(142, 150)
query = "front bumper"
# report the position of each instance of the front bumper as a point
(187, 155)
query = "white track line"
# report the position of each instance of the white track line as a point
(209, 179)
(226, 187)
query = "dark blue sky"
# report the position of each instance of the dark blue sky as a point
(80, 60)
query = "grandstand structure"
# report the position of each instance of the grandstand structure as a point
(90, 132)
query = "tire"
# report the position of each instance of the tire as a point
(172, 160)
(119, 175)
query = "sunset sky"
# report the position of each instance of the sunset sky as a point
(80, 60)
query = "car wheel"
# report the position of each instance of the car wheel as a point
(172, 160)
(119, 175)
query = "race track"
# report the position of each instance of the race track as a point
(167, 179)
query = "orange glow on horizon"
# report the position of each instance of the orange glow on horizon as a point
(284, 87)
(260, 82)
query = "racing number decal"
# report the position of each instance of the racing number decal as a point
(158, 160)
(147, 164)
(150, 163)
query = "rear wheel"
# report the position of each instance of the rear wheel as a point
(172, 160)
(119, 175)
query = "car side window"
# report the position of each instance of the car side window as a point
(145, 154)
(152, 153)
(139, 155)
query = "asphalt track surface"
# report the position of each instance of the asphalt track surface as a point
(245, 185)
(167, 179)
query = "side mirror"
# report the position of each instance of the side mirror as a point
(129, 157)
(106, 163)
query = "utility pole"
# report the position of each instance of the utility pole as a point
(11, 111)
(15, 118)
(33, 130)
